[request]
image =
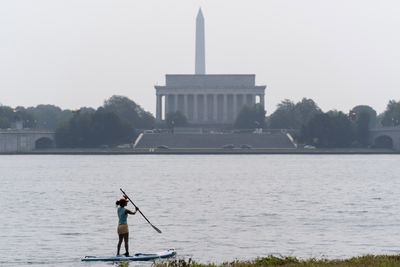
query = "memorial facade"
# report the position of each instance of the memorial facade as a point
(207, 98)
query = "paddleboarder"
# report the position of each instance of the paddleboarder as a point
(123, 231)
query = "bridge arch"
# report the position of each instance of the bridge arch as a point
(383, 141)
(44, 143)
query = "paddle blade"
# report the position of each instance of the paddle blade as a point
(158, 230)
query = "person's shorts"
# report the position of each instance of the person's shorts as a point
(122, 229)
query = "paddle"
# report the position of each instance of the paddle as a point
(155, 228)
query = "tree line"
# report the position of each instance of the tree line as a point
(117, 121)
(120, 119)
(41, 116)
(323, 129)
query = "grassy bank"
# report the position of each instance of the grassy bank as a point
(364, 261)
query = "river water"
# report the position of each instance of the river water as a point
(212, 208)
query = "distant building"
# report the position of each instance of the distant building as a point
(205, 98)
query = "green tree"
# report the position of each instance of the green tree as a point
(85, 110)
(176, 119)
(108, 129)
(289, 115)
(342, 130)
(49, 116)
(93, 129)
(129, 112)
(363, 117)
(251, 117)
(331, 129)
(283, 117)
(6, 117)
(356, 112)
(317, 131)
(391, 116)
(64, 136)
(27, 119)
(305, 110)
(78, 132)
(362, 126)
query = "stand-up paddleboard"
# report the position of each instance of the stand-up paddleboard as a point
(137, 257)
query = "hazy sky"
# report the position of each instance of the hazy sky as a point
(77, 53)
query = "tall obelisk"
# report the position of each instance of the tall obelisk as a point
(200, 65)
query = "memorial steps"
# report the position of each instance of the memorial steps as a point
(275, 140)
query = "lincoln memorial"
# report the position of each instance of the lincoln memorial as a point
(207, 98)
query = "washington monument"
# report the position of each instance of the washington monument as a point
(200, 65)
(207, 99)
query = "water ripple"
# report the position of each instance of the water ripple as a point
(213, 208)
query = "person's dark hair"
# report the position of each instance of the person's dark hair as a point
(122, 202)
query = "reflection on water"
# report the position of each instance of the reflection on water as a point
(57, 209)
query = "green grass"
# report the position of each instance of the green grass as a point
(364, 261)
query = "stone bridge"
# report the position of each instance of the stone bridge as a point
(385, 137)
(25, 140)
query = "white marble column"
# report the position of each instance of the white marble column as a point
(195, 110)
(215, 108)
(175, 103)
(247, 100)
(253, 100)
(235, 107)
(225, 109)
(240, 103)
(166, 108)
(185, 106)
(158, 108)
(205, 111)
(262, 101)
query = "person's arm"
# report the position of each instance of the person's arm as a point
(130, 212)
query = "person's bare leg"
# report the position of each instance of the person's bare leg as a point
(126, 241)
(119, 243)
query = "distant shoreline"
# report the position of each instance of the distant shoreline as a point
(219, 151)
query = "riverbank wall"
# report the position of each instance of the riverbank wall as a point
(192, 151)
